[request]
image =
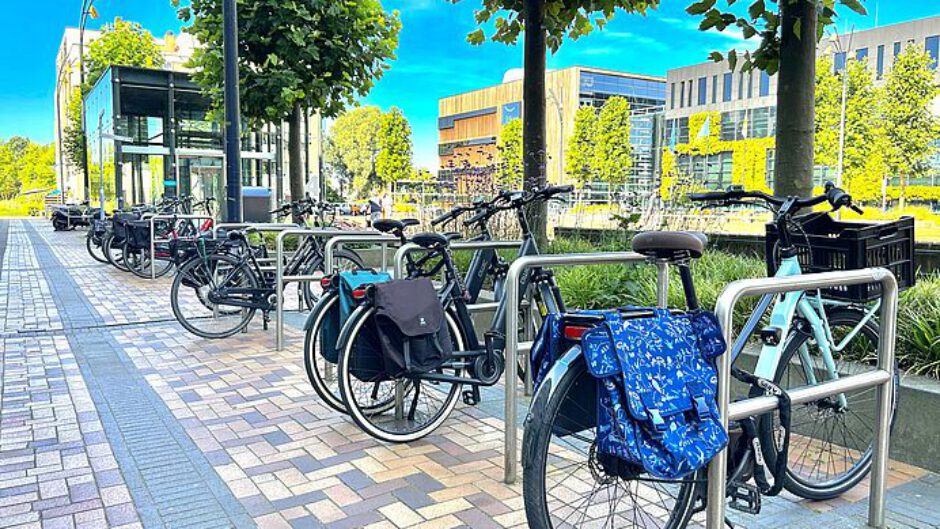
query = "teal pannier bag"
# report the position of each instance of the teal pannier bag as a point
(338, 314)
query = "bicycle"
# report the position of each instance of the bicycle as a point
(136, 249)
(485, 264)
(370, 395)
(558, 444)
(228, 285)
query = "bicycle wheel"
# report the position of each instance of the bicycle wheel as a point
(114, 251)
(564, 485)
(831, 441)
(345, 260)
(370, 398)
(95, 249)
(139, 263)
(322, 371)
(200, 301)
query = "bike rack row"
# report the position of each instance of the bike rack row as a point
(882, 378)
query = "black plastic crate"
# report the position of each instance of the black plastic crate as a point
(831, 245)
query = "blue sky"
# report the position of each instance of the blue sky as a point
(434, 59)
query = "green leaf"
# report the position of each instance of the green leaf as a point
(798, 28)
(716, 56)
(854, 5)
(699, 8)
(756, 10)
(732, 59)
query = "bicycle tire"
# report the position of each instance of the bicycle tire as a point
(140, 264)
(114, 251)
(189, 271)
(310, 298)
(95, 250)
(833, 486)
(549, 414)
(328, 393)
(363, 416)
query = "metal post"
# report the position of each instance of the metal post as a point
(233, 182)
(512, 296)
(153, 240)
(662, 284)
(883, 378)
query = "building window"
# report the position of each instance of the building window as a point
(759, 123)
(702, 90)
(897, 49)
(839, 61)
(672, 96)
(726, 87)
(880, 66)
(682, 95)
(861, 54)
(690, 93)
(683, 130)
(750, 85)
(714, 89)
(932, 45)
(771, 158)
(741, 85)
(764, 84)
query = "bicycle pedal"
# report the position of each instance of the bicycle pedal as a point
(744, 498)
(471, 397)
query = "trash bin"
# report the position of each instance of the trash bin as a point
(256, 204)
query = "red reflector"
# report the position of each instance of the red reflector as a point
(574, 332)
(359, 293)
(326, 281)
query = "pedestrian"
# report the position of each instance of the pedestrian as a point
(387, 206)
(375, 208)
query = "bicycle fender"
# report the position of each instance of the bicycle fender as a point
(311, 318)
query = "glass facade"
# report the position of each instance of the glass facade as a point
(880, 63)
(149, 136)
(726, 87)
(640, 92)
(932, 45)
(838, 61)
(861, 54)
(702, 90)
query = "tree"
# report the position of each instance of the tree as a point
(355, 145)
(788, 31)
(613, 154)
(860, 175)
(122, 43)
(25, 167)
(393, 162)
(910, 125)
(580, 151)
(295, 57)
(509, 173)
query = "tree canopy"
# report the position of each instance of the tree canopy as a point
(580, 151)
(122, 43)
(613, 153)
(509, 148)
(394, 161)
(25, 167)
(319, 53)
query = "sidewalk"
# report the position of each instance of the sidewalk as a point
(111, 415)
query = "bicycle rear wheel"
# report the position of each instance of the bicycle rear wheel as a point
(114, 252)
(139, 263)
(344, 260)
(202, 301)
(321, 370)
(565, 485)
(94, 246)
(831, 441)
(370, 397)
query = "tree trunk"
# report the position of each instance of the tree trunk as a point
(295, 152)
(796, 111)
(533, 117)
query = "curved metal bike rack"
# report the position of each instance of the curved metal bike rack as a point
(516, 269)
(300, 233)
(882, 378)
(153, 240)
(269, 227)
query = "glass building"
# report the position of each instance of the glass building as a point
(149, 136)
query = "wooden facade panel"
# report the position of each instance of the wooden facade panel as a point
(469, 128)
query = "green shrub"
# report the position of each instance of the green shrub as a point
(919, 327)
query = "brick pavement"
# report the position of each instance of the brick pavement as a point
(112, 414)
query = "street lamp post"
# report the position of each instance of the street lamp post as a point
(561, 133)
(88, 9)
(844, 103)
(233, 182)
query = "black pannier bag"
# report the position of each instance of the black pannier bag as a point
(411, 328)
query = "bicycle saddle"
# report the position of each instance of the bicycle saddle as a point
(394, 225)
(670, 244)
(434, 240)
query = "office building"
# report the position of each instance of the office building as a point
(470, 123)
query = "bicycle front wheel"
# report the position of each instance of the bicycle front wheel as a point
(370, 396)
(94, 246)
(320, 355)
(565, 485)
(209, 296)
(832, 438)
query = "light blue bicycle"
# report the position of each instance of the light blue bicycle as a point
(812, 338)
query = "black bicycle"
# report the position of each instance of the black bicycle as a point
(425, 400)
(217, 292)
(485, 266)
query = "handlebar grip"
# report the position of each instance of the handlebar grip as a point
(708, 197)
(557, 190)
(476, 218)
(443, 218)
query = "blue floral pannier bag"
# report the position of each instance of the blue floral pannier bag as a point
(656, 406)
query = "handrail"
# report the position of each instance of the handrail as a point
(516, 269)
(153, 240)
(882, 378)
(281, 280)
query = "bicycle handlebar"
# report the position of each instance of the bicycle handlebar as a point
(836, 197)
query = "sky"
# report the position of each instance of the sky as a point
(434, 59)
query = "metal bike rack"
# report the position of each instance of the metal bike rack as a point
(516, 269)
(268, 227)
(375, 237)
(153, 240)
(300, 233)
(882, 378)
(402, 254)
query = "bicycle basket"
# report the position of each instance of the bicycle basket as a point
(832, 245)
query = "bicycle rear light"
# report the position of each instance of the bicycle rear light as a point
(359, 293)
(574, 332)
(326, 281)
